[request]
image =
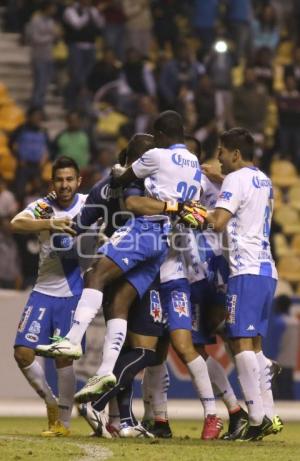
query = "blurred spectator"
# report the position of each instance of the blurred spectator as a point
(165, 27)
(285, 328)
(41, 33)
(10, 274)
(250, 102)
(138, 74)
(240, 15)
(114, 30)
(83, 23)
(105, 70)
(204, 16)
(29, 143)
(206, 126)
(147, 112)
(294, 68)
(265, 29)
(138, 25)
(219, 66)
(182, 70)
(288, 103)
(263, 68)
(73, 141)
(8, 203)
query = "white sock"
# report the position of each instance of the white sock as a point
(35, 375)
(66, 390)
(249, 377)
(158, 383)
(266, 384)
(147, 397)
(116, 330)
(114, 414)
(87, 308)
(200, 377)
(221, 385)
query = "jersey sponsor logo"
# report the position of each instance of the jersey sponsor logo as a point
(35, 327)
(155, 306)
(231, 307)
(258, 183)
(180, 303)
(225, 196)
(108, 193)
(179, 160)
(32, 338)
(24, 318)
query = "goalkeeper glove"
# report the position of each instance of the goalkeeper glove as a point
(191, 214)
(43, 210)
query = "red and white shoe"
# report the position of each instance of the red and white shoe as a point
(113, 430)
(212, 427)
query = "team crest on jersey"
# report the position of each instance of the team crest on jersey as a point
(180, 303)
(155, 306)
(24, 318)
(32, 338)
(35, 328)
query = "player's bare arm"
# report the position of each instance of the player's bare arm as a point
(218, 219)
(144, 205)
(25, 223)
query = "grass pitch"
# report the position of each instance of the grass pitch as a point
(20, 440)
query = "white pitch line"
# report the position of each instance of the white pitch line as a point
(91, 452)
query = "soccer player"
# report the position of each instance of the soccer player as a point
(52, 302)
(172, 173)
(244, 210)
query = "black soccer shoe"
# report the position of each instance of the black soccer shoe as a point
(161, 430)
(256, 433)
(237, 423)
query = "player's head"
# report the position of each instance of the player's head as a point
(65, 179)
(193, 145)
(236, 148)
(138, 144)
(168, 129)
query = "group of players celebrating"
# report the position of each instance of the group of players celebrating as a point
(186, 255)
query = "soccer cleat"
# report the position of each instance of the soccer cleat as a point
(61, 347)
(52, 413)
(113, 430)
(212, 427)
(256, 433)
(57, 430)
(277, 426)
(95, 386)
(96, 420)
(161, 430)
(137, 431)
(238, 421)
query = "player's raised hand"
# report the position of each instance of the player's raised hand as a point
(213, 172)
(64, 225)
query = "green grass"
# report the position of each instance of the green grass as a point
(20, 440)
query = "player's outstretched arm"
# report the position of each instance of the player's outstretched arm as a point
(144, 205)
(25, 223)
(218, 219)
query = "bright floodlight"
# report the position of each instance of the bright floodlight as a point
(221, 46)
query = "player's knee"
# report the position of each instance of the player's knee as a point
(185, 351)
(23, 356)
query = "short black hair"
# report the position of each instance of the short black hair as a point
(170, 123)
(138, 144)
(189, 137)
(64, 162)
(241, 139)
